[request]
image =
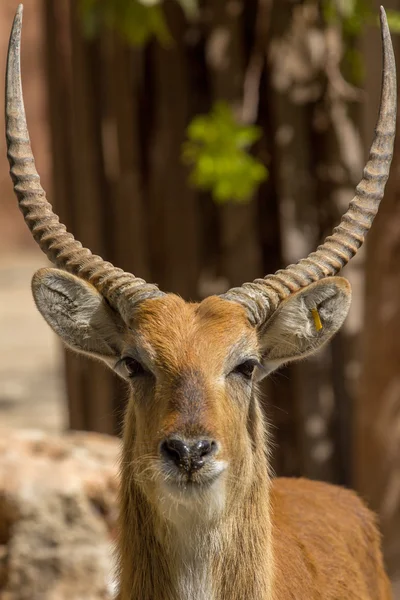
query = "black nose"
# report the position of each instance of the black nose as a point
(187, 455)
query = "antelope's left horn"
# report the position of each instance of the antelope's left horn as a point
(262, 297)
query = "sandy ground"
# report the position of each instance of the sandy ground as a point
(32, 392)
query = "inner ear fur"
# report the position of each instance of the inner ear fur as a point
(292, 332)
(77, 313)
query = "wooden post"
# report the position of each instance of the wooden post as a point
(377, 414)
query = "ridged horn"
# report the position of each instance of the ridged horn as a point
(262, 297)
(121, 289)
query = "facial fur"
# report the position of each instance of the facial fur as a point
(190, 390)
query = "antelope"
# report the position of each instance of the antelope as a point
(201, 517)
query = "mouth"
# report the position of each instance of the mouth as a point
(188, 484)
(193, 483)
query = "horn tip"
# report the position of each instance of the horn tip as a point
(19, 13)
(388, 53)
(14, 43)
(17, 25)
(18, 17)
(383, 18)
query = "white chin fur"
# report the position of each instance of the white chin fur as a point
(193, 504)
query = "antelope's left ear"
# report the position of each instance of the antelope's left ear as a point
(305, 321)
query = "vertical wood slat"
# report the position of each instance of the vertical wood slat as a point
(172, 203)
(377, 414)
(97, 383)
(290, 123)
(130, 249)
(225, 54)
(57, 17)
(121, 151)
(77, 187)
(335, 189)
(376, 433)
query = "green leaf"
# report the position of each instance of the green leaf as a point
(217, 151)
(248, 136)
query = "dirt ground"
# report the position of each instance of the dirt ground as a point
(32, 392)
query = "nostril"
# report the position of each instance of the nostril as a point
(204, 447)
(176, 451)
(201, 452)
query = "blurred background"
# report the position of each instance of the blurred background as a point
(200, 144)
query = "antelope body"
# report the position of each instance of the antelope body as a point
(201, 518)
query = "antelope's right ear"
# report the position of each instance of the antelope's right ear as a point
(77, 313)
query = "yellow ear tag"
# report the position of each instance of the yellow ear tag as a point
(317, 319)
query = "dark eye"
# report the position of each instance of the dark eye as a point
(245, 368)
(134, 367)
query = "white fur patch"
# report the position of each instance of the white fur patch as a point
(192, 513)
(193, 572)
(186, 508)
(194, 580)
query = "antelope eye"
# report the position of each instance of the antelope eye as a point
(245, 369)
(134, 367)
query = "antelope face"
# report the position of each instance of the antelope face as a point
(191, 368)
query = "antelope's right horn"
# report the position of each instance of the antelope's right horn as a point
(121, 289)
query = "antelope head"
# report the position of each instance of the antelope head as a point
(194, 434)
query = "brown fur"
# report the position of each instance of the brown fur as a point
(326, 544)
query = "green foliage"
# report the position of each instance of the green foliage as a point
(137, 21)
(217, 149)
